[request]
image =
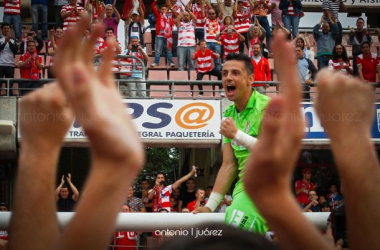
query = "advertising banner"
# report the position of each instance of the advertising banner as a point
(169, 119)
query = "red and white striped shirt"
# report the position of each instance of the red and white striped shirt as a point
(291, 10)
(204, 60)
(197, 12)
(98, 44)
(161, 200)
(12, 7)
(186, 34)
(241, 20)
(73, 18)
(115, 62)
(212, 28)
(336, 65)
(230, 44)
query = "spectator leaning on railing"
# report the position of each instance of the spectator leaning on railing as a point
(133, 69)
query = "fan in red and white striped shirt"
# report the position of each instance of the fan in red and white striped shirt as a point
(204, 57)
(340, 61)
(110, 37)
(12, 7)
(230, 40)
(71, 13)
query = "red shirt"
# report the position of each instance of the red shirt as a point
(261, 71)
(230, 44)
(191, 205)
(161, 20)
(303, 197)
(369, 66)
(204, 60)
(30, 70)
(125, 240)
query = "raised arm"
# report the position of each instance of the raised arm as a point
(75, 196)
(178, 183)
(220, 8)
(351, 96)
(129, 16)
(226, 175)
(35, 182)
(284, 125)
(118, 156)
(117, 14)
(58, 189)
(178, 19)
(234, 12)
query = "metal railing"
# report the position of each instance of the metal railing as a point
(168, 88)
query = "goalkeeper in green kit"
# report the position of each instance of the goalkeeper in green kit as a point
(240, 128)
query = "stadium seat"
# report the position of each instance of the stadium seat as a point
(180, 90)
(158, 90)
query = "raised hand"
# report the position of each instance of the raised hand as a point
(354, 113)
(268, 172)
(95, 98)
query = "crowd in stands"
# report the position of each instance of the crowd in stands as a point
(196, 33)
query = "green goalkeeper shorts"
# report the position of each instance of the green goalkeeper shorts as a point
(243, 214)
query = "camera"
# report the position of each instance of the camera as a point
(229, 30)
(134, 48)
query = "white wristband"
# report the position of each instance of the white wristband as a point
(244, 139)
(214, 201)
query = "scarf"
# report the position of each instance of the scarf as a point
(34, 71)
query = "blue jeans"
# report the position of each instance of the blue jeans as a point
(37, 11)
(15, 20)
(291, 23)
(263, 21)
(323, 61)
(159, 46)
(184, 56)
(216, 48)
